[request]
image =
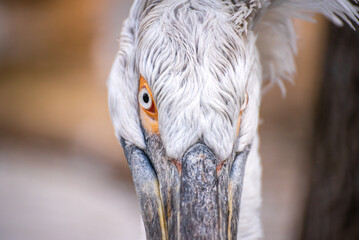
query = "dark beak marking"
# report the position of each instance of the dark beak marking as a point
(178, 165)
(219, 166)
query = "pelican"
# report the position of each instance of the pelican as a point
(184, 97)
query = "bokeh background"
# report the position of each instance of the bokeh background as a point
(63, 174)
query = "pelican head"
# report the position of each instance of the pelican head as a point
(184, 96)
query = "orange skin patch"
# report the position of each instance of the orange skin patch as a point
(149, 116)
(240, 114)
(239, 122)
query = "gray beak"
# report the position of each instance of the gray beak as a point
(195, 197)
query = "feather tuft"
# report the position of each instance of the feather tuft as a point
(277, 38)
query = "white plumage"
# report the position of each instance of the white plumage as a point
(200, 59)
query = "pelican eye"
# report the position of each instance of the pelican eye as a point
(148, 109)
(145, 99)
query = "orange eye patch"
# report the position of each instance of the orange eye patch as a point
(244, 106)
(148, 109)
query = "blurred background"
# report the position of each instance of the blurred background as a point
(63, 174)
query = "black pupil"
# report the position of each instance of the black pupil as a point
(146, 98)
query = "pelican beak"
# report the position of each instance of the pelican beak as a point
(195, 197)
(200, 212)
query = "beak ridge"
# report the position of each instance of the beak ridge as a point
(199, 216)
